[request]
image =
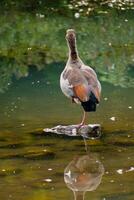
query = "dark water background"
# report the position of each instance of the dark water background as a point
(33, 53)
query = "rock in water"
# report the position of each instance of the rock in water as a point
(92, 131)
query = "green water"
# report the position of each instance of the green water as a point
(33, 53)
(27, 156)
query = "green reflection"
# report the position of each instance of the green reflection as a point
(105, 41)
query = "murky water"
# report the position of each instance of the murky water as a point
(32, 163)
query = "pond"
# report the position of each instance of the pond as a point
(33, 53)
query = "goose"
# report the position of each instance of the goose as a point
(78, 81)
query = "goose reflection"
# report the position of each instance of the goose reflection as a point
(83, 174)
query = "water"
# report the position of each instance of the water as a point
(32, 56)
(32, 164)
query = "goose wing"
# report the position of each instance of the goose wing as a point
(82, 82)
(93, 83)
(77, 83)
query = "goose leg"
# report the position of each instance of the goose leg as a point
(83, 119)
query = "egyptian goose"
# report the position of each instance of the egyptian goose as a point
(78, 81)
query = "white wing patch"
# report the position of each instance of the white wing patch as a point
(66, 87)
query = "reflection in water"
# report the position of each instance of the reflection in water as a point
(83, 174)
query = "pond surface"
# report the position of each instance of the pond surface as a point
(33, 53)
(32, 163)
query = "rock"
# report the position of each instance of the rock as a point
(92, 131)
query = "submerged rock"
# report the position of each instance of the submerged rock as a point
(31, 155)
(37, 155)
